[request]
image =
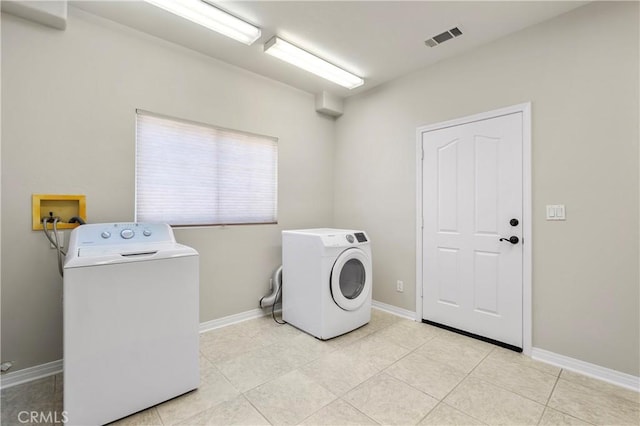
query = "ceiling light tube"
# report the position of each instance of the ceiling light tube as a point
(209, 16)
(301, 58)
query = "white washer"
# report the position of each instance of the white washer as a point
(326, 280)
(130, 320)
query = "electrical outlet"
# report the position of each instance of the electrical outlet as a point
(399, 286)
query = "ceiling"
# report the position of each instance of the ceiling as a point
(377, 40)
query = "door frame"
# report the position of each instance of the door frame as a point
(527, 236)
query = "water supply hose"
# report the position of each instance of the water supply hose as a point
(54, 240)
(57, 244)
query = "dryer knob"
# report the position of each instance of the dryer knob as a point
(146, 233)
(350, 238)
(127, 234)
(105, 234)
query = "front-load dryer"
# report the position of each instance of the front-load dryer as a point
(326, 280)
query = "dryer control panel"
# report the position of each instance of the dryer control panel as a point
(361, 237)
(331, 237)
(344, 238)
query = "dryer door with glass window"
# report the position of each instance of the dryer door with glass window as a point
(351, 279)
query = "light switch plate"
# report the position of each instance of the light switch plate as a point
(556, 212)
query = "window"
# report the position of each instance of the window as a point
(194, 174)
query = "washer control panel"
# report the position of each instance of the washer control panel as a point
(127, 233)
(123, 233)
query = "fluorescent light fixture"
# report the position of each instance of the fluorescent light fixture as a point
(211, 17)
(294, 55)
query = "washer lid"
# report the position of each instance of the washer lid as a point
(351, 279)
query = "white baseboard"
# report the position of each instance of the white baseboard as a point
(582, 367)
(592, 370)
(31, 373)
(234, 319)
(49, 369)
(606, 374)
(43, 370)
(404, 313)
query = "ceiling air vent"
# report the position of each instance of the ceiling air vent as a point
(442, 37)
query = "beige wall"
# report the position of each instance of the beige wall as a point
(68, 101)
(68, 109)
(580, 71)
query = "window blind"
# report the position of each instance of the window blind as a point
(194, 174)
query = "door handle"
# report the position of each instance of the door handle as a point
(512, 239)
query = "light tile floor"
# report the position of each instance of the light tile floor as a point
(391, 371)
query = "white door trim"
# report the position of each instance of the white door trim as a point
(525, 109)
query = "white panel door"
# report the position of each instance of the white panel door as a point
(472, 189)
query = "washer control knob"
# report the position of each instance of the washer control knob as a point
(146, 232)
(127, 234)
(105, 234)
(350, 238)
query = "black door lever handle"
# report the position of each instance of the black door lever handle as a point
(512, 239)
